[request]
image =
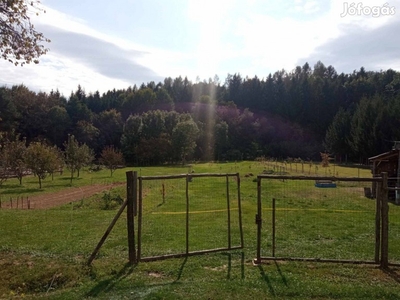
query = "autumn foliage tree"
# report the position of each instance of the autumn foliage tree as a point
(20, 42)
(325, 159)
(111, 158)
(16, 154)
(40, 159)
(4, 160)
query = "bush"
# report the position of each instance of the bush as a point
(110, 201)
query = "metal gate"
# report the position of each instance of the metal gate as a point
(177, 215)
(326, 219)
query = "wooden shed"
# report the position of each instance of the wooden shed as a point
(387, 162)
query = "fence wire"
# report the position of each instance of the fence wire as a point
(394, 221)
(189, 214)
(334, 221)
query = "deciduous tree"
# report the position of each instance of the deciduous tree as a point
(111, 158)
(76, 156)
(20, 42)
(184, 138)
(39, 158)
(16, 154)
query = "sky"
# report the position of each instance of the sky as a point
(102, 45)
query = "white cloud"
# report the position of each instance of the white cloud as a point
(212, 20)
(307, 6)
(81, 55)
(278, 43)
(253, 38)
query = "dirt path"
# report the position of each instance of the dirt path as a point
(61, 197)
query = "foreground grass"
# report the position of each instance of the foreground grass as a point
(43, 253)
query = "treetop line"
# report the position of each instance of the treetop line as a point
(297, 114)
(288, 114)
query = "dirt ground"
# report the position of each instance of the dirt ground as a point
(59, 198)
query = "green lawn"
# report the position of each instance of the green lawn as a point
(43, 252)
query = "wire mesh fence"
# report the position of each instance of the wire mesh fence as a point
(185, 214)
(312, 218)
(394, 221)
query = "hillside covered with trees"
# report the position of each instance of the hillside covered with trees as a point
(287, 114)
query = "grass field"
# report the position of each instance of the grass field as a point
(43, 252)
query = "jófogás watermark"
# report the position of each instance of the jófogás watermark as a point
(359, 9)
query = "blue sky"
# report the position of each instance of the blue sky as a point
(103, 45)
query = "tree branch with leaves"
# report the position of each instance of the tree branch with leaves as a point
(20, 42)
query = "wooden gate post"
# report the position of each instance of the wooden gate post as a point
(229, 212)
(258, 222)
(385, 222)
(131, 196)
(378, 214)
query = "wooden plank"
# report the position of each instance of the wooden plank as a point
(130, 178)
(378, 222)
(320, 260)
(240, 211)
(229, 212)
(273, 226)
(105, 235)
(178, 255)
(140, 218)
(357, 179)
(385, 223)
(193, 175)
(187, 213)
(258, 220)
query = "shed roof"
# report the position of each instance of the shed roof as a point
(385, 156)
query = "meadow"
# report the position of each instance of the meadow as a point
(43, 253)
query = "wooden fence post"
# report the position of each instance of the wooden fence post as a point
(385, 222)
(131, 190)
(378, 214)
(140, 211)
(258, 221)
(240, 210)
(188, 178)
(229, 212)
(273, 226)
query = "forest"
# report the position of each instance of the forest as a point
(288, 114)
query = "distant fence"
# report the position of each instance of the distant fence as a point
(322, 219)
(19, 202)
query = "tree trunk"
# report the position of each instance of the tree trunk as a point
(72, 174)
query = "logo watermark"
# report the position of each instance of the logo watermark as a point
(358, 9)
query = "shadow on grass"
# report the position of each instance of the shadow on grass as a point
(265, 277)
(10, 186)
(394, 273)
(22, 190)
(283, 277)
(107, 285)
(354, 166)
(69, 178)
(181, 270)
(229, 255)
